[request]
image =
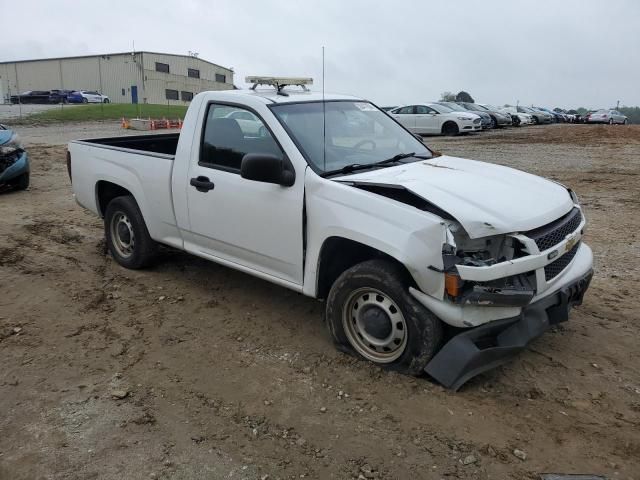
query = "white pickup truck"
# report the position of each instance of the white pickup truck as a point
(427, 262)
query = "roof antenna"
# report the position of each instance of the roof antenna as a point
(324, 121)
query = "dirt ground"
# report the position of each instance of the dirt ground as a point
(190, 370)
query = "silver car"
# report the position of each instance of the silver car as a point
(607, 116)
(498, 118)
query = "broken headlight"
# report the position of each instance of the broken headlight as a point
(9, 152)
(11, 147)
(516, 290)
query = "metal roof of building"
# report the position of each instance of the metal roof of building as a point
(112, 54)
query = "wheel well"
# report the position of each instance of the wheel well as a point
(107, 191)
(449, 123)
(339, 254)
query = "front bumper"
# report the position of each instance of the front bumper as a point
(485, 347)
(19, 167)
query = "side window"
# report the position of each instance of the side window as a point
(423, 109)
(405, 110)
(230, 133)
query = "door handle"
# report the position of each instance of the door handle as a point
(202, 184)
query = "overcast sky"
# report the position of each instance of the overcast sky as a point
(566, 53)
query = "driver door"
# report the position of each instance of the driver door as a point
(250, 225)
(426, 120)
(406, 117)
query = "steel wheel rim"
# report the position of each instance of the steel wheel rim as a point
(122, 236)
(360, 307)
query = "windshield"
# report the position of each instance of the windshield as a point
(356, 133)
(473, 107)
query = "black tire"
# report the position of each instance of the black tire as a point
(494, 122)
(536, 120)
(123, 217)
(624, 122)
(611, 121)
(450, 129)
(515, 121)
(21, 182)
(106, 100)
(85, 100)
(390, 283)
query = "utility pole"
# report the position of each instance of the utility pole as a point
(618, 105)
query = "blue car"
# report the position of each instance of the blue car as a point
(75, 97)
(14, 161)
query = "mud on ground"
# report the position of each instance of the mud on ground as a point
(190, 370)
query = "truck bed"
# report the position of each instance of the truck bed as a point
(164, 144)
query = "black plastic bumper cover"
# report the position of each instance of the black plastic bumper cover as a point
(488, 346)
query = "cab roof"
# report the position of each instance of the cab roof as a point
(270, 95)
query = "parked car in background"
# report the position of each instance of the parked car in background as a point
(89, 96)
(538, 117)
(498, 119)
(485, 118)
(31, 96)
(607, 116)
(387, 109)
(523, 118)
(59, 96)
(515, 121)
(14, 161)
(436, 119)
(75, 97)
(556, 116)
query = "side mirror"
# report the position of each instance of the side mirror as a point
(267, 168)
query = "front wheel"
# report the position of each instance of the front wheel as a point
(128, 239)
(85, 100)
(370, 311)
(611, 121)
(106, 100)
(21, 182)
(624, 122)
(450, 129)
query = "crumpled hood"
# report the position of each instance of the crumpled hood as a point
(486, 199)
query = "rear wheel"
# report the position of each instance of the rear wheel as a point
(450, 129)
(85, 100)
(106, 100)
(128, 239)
(370, 312)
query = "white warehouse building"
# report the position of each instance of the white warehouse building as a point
(134, 77)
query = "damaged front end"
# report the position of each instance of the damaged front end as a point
(506, 291)
(14, 161)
